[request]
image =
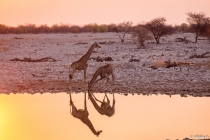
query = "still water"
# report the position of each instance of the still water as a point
(47, 117)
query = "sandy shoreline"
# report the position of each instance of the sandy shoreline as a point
(147, 76)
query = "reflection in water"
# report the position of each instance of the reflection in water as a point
(46, 117)
(105, 108)
(82, 114)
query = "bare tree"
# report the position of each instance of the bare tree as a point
(158, 28)
(141, 34)
(198, 22)
(124, 28)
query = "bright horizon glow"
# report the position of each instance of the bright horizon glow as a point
(81, 12)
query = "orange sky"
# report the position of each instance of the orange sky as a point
(80, 12)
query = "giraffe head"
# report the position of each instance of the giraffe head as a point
(96, 45)
(71, 72)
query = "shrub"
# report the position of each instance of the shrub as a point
(158, 28)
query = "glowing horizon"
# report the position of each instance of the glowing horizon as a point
(80, 12)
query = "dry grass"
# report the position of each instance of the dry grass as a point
(160, 64)
(163, 64)
(182, 63)
(205, 64)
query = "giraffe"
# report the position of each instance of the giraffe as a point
(105, 108)
(82, 114)
(81, 64)
(103, 72)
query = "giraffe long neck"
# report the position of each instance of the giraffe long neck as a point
(106, 112)
(89, 124)
(88, 54)
(96, 106)
(96, 74)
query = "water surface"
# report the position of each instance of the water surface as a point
(47, 117)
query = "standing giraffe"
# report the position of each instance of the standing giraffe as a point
(81, 64)
(82, 114)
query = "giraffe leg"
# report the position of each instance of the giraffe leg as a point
(70, 98)
(85, 74)
(85, 105)
(104, 97)
(113, 78)
(96, 98)
(108, 101)
(73, 109)
(113, 98)
(107, 79)
(71, 74)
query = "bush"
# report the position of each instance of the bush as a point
(141, 34)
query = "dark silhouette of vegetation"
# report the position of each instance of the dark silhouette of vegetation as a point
(199, 23)
(63, 28)
(3, 29)
(158, 28)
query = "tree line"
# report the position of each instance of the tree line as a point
(67, 28)
(198, 23)
(60, 28)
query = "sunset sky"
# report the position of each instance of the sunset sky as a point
(80, 12)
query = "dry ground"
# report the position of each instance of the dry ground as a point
(146, 74)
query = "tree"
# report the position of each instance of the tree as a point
(198, 22)
(103, 28)
(93, 27)
(75, 29)
(112, 27)
(141, 34)
(27, 28)
(124, 28)
(43, 28)
(3, 29)
(55, 28)
(63, 28)
(158, 28)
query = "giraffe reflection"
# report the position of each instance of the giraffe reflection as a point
(105, 108)
(82, 114)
